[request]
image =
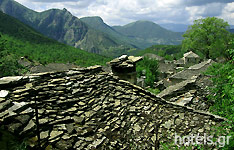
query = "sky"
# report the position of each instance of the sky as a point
(121, 12)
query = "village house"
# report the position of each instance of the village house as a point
(189, 59)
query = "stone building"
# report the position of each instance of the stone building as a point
(125, 67)
(188, 73)
(190, 58)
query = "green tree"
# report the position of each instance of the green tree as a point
(209, 35)
(150, 66)
(8, 62)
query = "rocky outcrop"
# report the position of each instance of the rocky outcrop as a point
(86, 108)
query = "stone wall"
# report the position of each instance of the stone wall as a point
(87, 108)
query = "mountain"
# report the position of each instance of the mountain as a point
(23, 41)
(91, 33)
(62, 26)
(175, 27)
(98, 24)
(146, 34)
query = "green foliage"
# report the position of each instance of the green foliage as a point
(9, 65)
(155, 91)
(150, 67)
(209, 35)
(222, 94)
(164, 51)
(10, 142)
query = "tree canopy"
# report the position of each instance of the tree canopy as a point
(209, 36)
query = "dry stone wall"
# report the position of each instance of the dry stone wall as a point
(87, 108)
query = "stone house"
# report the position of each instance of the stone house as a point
(188, 73)
(189, 58)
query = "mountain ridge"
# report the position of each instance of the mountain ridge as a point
(90, 33)
(22, 40)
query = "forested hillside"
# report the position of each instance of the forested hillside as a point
(21, 40)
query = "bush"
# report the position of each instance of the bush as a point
(150, 66)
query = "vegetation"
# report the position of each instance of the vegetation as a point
(148, 68)
(164, 51)
(10, 142)
(8, 62)
(209, 36)
(222, 94)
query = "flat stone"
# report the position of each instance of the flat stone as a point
(3, 93)
(70, 128)
(81, 103)
(30, 126)
(88, 139)
(7, 80)
(98, 142)
(17, 106)
(79, 120)
(73, 109)
(195, 118)
(55, 134)
(117, 103)
(168, 124)
(44, 135)
(43, 121)
(201, 130)
(137, 128)
(97, 108)
(89, 114)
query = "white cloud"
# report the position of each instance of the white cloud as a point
(119, 12)
(228, 13)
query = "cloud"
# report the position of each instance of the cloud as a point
(204, 2)
(120, 12)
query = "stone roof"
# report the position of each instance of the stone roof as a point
(124, 61)
(175, 89)
(153, 56)
(191, 92)
(87, 108)
(193, 70)
(179, 61)
(201, 65)
(191, 54)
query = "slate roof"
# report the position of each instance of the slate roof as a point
(87, 108)
(191, 55)
(153, 56)
(193, 70)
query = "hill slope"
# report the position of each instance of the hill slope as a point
(147, 33)
(98, 24)
(22, 40)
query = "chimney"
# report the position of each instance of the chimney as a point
(125, 67)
